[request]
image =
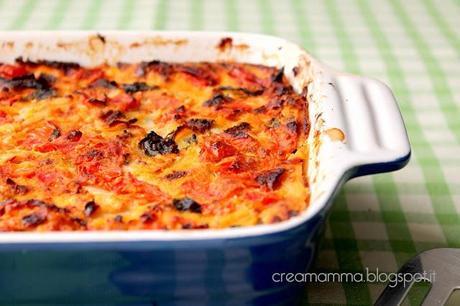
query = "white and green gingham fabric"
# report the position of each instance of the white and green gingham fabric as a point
(378, 221)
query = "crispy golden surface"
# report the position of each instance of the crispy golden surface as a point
(149, 146)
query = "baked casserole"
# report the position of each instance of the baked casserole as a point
(149, 145)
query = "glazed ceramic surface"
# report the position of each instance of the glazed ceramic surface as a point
(356, 129)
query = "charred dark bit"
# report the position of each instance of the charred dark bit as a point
(282, 90)
(173, 134)
(53, 64)
(175, 175)
(27, 81)
(292, 213)
(148, 217)
(101, 37)
(225, 43)
(137, 86)
(192, 139)
(276, 103)
(18, 189)
(39, 217)
(126, 158)
(118, 218)
(271, 178)
(55, 134)
(234, 114)
(292, 126)
(260, 110)
(33, 203)
(97, 101)
(41, 94)
(274, 123)
(111, 116)
(200, 125)
(74, 135)
(245, 91)
(278, 76)
(78, 188)
(217, 100)
(199, 73)
(38, 203)
(33, 219)
(187, 226)
(179, 112)
(296, 71)
(104, 83)
(194, 226)
(90, 208)
(276, 219)
(47, 77)
(79, 221)
(162, 68)
(123, 65)
(239, 131)
(187, 204)
(153, 144)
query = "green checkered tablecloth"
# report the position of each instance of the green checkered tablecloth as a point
(378, 221)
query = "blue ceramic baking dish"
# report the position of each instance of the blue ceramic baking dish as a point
(356, 129)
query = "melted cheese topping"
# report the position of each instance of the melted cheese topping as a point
(149, 146)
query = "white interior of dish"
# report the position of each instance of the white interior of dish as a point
(327, 164)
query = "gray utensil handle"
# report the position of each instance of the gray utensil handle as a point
(445, 265)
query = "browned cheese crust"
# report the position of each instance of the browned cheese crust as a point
(151, 145)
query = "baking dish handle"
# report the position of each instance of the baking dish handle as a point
(376, 139)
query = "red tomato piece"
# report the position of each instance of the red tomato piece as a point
(3, 117)
(11, 71)
(125, 102)
(217, 150)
